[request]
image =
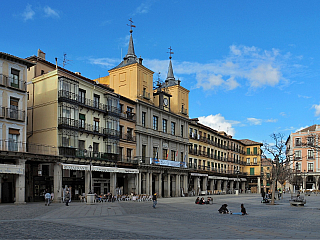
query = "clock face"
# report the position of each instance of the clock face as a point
(165, 102)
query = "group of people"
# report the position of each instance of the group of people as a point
(202, 201)
(224, 210)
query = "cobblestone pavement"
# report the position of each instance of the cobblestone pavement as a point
(174, 218)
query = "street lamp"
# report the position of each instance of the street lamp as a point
(90, 186)
(297, 165)
(304, 180)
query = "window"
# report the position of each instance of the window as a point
(181, 157)
(96, 124)
(181, 131)
(297, 155)
(190, 133)
(248, 151)
(129, 154)
(255, 151)
(81, 147)
(310, 141)
(15, 78)
(155, 123)
(251, 171)
(298, 141)
(14, 104)
(130, 113)
(82, 96)
(310, 167)
(190, 162)
(173, 155)
(165, 154)
(121, 132)
(164, 125)
(96, 101)
(143, 119)
(82, 120)
(95, 148)
(173, 128)
(121, 108)
(255, 160)
(155, 152)
(130, 134)
(144, 152)
(13, 139)
(310, 154)
(248, 160)
(120, 153)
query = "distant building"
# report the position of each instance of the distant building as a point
(302, 148)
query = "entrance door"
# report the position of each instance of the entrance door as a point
(7, 196)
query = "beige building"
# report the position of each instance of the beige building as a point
(81, 118)
(13, 127)
(215, 160)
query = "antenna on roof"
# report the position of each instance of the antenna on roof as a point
(65, 60)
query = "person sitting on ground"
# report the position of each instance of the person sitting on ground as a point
(243, 210)
(197, 200)
(223, 209)
(208, 200)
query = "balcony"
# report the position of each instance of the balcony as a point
(16, 146)
(13, 83)
(128, 137)
(128, 116)
(80, 153)
(184, 111)
(146, 95)
(2, 112)
(13, 114)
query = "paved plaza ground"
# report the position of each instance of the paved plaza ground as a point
(174, 218)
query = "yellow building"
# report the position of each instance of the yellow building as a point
(252, 151)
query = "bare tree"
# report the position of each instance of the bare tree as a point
(280, 172)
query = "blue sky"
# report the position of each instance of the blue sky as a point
(252, 67)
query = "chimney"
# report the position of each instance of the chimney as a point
(78, 73)
(41, 54)
(140, 60)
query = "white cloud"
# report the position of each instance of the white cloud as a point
(264, 75)
(143, 8)
(105, 62)
(301, 96)
(28, 13)
(49, 12)
(254, 121)
(219, 123)
(272, 120)
(317, 108)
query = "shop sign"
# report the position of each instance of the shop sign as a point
(13, 169)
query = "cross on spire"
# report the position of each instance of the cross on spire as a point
(170, 52)
(131, 25)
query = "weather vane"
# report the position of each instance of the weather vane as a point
(170, 52)
(131, 25)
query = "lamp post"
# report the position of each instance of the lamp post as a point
(297, 164)
(90, 195)
(304, 186)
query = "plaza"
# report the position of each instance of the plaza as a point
(174, 218)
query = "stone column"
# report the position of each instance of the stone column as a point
(204, 184)
(168, 187)
(148, 183)
(0, 188)
(21, 183)
(160, 185)
(317, 184)
(57, 182)
(195, 185)
(87, 182)
(304, 182)
(225, 185)
(259, 185)
(211, 185)
(144, 190)
(231, 186)
(139, 184)
(243, 186)
(185, 183)
(238, 184)
(177, 192)
(113, 183)
(219, 185)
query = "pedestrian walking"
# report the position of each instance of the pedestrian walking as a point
(47, 198)
(67, 198)
(154, 199)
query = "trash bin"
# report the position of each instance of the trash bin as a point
(237, 192)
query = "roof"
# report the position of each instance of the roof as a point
(310, 129)
(39, 59)
(249, 142)
(16, 59)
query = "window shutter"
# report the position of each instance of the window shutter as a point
(14, 131)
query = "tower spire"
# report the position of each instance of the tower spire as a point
(170, 77)
(131, 53)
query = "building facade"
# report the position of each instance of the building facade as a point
(161, 125)
(302, 149)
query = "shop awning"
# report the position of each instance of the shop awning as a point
(98, 168)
